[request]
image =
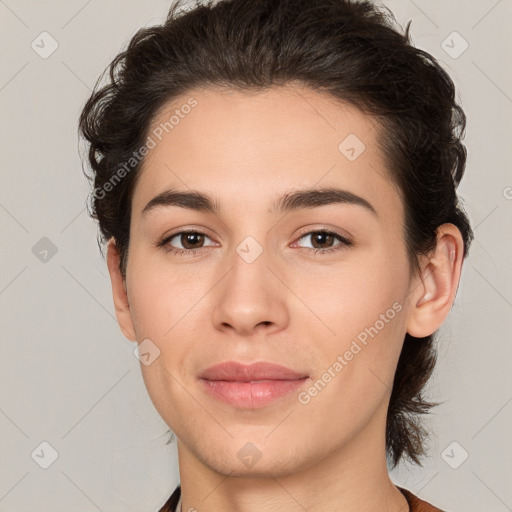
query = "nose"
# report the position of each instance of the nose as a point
(251, 299)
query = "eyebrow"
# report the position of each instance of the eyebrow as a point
(294, 200)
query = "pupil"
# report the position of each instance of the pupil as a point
(322, 235)
(189, 239)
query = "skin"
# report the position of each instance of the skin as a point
(288, 306)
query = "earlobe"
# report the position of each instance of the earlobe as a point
(119, 293)
(434, 291)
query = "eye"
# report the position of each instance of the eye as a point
(190, 242)
(325, 237)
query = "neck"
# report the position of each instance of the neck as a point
(353, 478)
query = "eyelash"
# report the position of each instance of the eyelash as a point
(195, 252)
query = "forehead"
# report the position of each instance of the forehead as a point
(250, 147)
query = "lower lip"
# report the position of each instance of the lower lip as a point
(251, 395)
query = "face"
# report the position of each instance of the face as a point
(317, 283)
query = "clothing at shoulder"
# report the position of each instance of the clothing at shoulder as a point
(415, 503)
(171, 505)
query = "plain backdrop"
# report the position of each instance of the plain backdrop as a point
(69, 379)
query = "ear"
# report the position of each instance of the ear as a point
(123, 312)
(434, 291)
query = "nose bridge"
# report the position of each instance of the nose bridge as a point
(249, 262)
(252, 239)
(250, 294)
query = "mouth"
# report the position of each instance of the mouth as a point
(250, 386)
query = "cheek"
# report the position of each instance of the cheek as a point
(348, 299)
(163, 299)
(358, 359)
(363, 323)
(167, 309)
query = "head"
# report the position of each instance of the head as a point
(240, 105)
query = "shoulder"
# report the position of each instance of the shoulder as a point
(416, 504)
(171, 504)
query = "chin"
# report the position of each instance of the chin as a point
(242, 458)
(262, 469)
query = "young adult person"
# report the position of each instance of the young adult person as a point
(276, 184)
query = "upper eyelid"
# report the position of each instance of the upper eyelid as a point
(343, 239)
(168, 238)
(334, 231)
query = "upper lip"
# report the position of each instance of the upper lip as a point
(235, 371)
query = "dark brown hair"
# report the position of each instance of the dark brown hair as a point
(352, 51)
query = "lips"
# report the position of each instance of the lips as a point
(250, 386)
(233, 371)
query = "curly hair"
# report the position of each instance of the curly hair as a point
(353, 51)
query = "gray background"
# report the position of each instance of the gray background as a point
(69, 377)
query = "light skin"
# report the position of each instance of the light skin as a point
(288, 306)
